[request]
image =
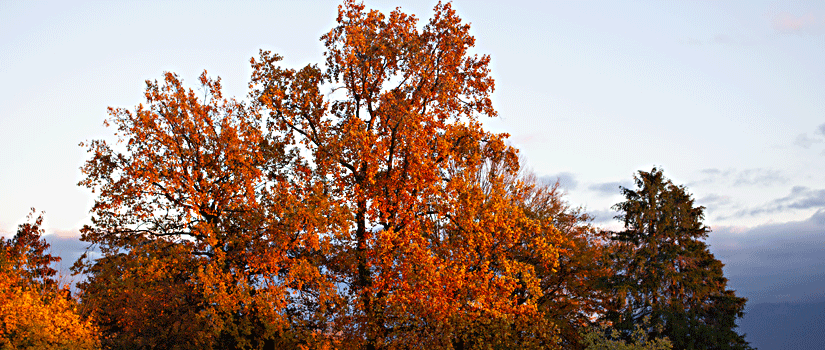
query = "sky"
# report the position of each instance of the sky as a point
(727, 97)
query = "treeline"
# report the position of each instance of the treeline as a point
(358, 205)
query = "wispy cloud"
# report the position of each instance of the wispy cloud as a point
(800, 198)
(610, 188)
(804, 141)
(809, 23)
(759, 176)
(724, 39)
(746, 177)
(567, 181)
(690, 41)
(714, 200)
(718, 39)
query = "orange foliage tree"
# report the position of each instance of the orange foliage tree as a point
(204, 223)
(573, 292)
(377, 215)
(422, 256)
(35, 312)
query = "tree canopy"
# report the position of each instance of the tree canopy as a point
(358, 203)
(35, 311)
(375, 215)
(665, 271)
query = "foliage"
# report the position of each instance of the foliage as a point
(361, 205)
(34, 312)
(145, 299)
(198, 202)
(603, 337)
(26, 256)
(369, 217)
(399, 148)
(665, 271)
(572, 291)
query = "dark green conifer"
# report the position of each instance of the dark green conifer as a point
(665, 271)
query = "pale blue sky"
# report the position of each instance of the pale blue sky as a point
(729, 97)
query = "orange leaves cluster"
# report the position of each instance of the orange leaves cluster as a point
(34, 312)
(198, 202)
(432, 207)
(31, 320)
(355, 205)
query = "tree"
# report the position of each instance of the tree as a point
(397, 144)
(378, 215)
(572, 291)
(147, 298)
(35, 312)
(197, 201)
(666, 273)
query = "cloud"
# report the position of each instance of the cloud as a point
(774, 262)
(603, 216)
(805, 141)
(714, 200)
(567, 181)
(801, 197)
(759, 176)
(724, 39)
(689, 41)
(610, 188)
(788, 23)
(711, 175)
(747, 177)
(802, 140)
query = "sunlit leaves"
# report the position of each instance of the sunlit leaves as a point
(198, 202)
(35, 312)
(358, 204)
(398, 145)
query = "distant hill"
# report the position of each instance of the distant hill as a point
(778, 326)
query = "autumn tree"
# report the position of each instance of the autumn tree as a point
(35, 311)
(666, 273)
(398, 146)
(572, 291)
(206, 227)
(519, 196)
(378, 215)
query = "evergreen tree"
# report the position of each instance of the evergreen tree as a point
(666, 273)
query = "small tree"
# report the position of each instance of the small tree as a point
(571, 290)
(666, 273)
(36, 313)
(603, 337)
